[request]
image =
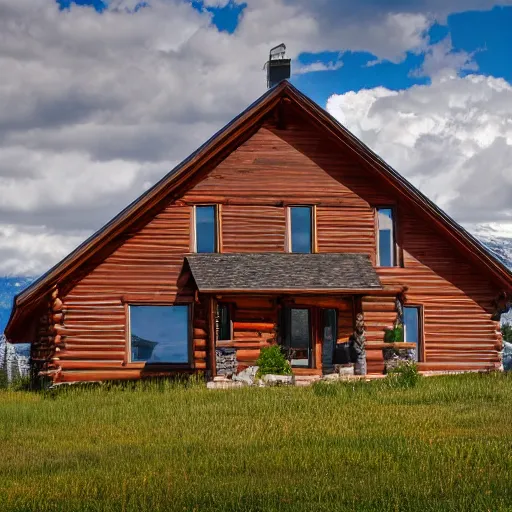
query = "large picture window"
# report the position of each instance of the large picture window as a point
(386, 237)
(159, 334)
(206, 229)
(301, 229)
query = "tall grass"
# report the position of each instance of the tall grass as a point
(443, 445)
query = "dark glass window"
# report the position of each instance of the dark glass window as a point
(330, 333)
(224, 319)
(301, 229)
(206, 229)
(412, 327)
(297, 336)
(386, 237)
(159, 334)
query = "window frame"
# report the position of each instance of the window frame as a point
(216, 224)
(288, 237)
(421, 331)
(397, 260)
(127, 362)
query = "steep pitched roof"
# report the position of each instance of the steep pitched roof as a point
(28, 300)
(271, 272)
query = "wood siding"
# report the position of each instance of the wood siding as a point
(254, 184)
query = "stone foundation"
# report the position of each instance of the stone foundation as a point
(226, 361)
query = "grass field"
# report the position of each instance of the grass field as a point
(444, 445)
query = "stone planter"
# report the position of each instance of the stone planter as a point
(397, 353)
(277, 380)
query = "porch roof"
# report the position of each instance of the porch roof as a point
(283, 272)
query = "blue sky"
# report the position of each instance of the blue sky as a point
(486, 34)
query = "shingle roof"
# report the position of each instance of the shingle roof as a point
(282, 271)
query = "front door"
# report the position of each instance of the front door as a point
(296, 336)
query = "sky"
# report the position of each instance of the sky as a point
(100, 99)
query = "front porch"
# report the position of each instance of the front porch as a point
(310, 304)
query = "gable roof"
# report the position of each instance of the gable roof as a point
(278, 272)
(27, 301)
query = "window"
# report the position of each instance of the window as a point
(386, 237)
(330, 335)
(301, 229)
(159, 334)
(296, 336)
(206, 228)
(224, 322)
(412, 326)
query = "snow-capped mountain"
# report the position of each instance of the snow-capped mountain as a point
(14, 360)
(501, 246)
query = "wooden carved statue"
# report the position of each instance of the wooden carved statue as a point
(360, 345)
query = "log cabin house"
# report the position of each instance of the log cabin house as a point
(283, 228)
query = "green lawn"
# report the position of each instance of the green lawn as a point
(444, 445)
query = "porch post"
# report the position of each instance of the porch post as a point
(211, 316)
(359, 339)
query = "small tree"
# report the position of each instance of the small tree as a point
(506, 330)
(273, 361)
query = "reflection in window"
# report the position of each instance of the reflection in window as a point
(412, 327)
(206, 231)
(159, 334)
(301, 237)
(386, 238)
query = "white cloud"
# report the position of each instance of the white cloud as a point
(317, 66)
(442, 62)
(95, 108)
(42, 248)
(452, 139)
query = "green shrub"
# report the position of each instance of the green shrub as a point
(395, 335)
(404, 375)
(273, 361)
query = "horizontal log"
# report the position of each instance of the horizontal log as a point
(85, 355)
(57, 305)
(243, 355)
(127, 374)
(200, 343)
(254, 326)
(200, 333)
(245, 344)
(200, 354)
(380, 346)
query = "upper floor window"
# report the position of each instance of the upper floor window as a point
(386, 238)
(159, 334)
(206, 228)
(300, 229)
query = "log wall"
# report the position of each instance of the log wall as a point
(253, 185)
